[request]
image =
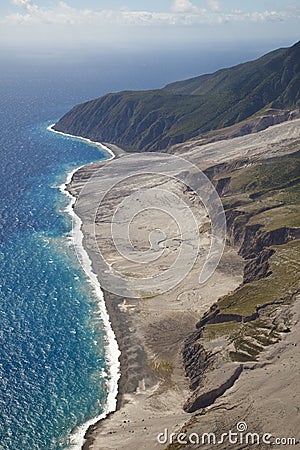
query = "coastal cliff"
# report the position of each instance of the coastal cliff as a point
(263, 224)
(155, 120)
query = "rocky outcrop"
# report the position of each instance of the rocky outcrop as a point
(195, 358)
(216, 384)
(258, 267)
(256, 250)
(255, 240)
(218, 317)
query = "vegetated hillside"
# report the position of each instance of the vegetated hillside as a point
(261, 201)
(155, 119)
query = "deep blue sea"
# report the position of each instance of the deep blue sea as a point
(52, 339)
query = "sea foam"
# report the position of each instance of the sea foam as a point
(77, 437)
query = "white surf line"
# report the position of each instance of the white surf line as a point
(77, 438)
(88, 141)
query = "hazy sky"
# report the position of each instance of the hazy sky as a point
(134, 23)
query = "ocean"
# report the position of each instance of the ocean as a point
(54, 366)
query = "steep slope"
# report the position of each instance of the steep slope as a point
(154, 120)
(246, 331)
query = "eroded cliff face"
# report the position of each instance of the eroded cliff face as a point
(263, 224)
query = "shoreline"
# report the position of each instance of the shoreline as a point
(153, 385)
(78, 436)
(86, 140)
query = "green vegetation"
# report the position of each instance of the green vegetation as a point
(162, 368)
(268, 195)
(216, 330)
(154, 120)
(281, 285)
(268, 192)
(285, 216)
(250, 338)
(267, 176)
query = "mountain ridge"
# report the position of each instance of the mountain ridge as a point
(153, 120)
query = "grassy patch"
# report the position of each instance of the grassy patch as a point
(250, 338)
(240, 357)
(284, 216)
(280, 285)
(216, 330)
(266, 176)
(163, 368)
